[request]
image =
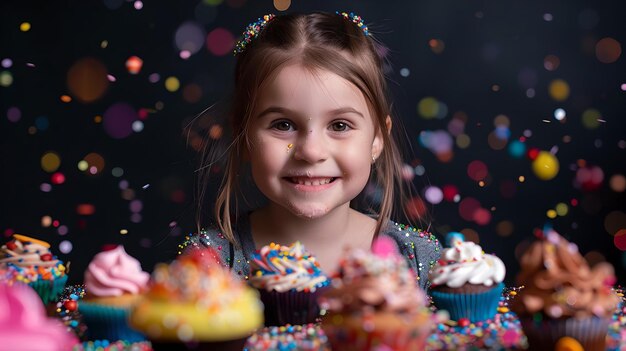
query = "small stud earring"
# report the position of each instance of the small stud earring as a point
(289, 147)
(373, 159)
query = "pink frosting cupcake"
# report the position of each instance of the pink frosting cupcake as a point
(114, 282)
(24, 325)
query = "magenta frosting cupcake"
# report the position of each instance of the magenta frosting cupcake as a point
(114, 282)
(24, 325)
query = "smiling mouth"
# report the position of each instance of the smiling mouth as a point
(310, 181)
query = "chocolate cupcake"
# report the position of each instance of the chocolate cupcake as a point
(289, 281)
(564, 301)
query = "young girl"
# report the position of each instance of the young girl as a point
(312, 122)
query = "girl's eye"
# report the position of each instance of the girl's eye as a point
(340, 127)
(283, 126)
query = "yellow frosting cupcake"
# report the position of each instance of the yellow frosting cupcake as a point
(195, 300)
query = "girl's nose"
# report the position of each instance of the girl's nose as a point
(311, 148)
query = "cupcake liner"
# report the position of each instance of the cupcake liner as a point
(49, 290)
(290, 307)
(106, 322)
(344, 339)
(228, 345)
(475, 307)
(544, 334)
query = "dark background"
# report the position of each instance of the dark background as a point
(478, 59)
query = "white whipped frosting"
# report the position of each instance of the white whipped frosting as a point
(466, 262)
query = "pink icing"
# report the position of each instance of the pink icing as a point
(24, 325)
(114, 273)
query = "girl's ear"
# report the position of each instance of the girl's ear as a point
(378, 144)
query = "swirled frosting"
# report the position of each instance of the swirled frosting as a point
(114, 273)
(23, 322)
(28, 259)
(465, 262)
(374, 280)
(283, 268)
(559, 282)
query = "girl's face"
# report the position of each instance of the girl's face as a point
(312, 139)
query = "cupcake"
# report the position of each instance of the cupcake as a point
(195, 303)
(564, 302)
(114, 282)
(290, 281)
(24, 325)
(466, 282)
(307, 337)
(28, 260)
(375, 303)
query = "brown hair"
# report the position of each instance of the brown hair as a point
(317, 41)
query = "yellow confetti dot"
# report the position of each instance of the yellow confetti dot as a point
(567, 343)
(172, 84)
(83, 165)
(561, 209)
(559, 90)
(503, 309)
(512, 293)
(66, 98)
(25, 26)
(551, 214)
(428, 107)
(521, 179)
(123, 231)
(545, 166)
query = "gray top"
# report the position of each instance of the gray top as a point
(420, 248)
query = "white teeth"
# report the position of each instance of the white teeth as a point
(314, 182)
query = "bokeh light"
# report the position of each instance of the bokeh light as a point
(14, 114)
(545, 165)
(95, 163)
(189, 37)
(504, 228)
(436, 45)
(65, 246)
(282, 5)
(477, 170)
(467, 207)
(618, 183)
(134, 64)
(220, 42)
(608, 50)
(590, 118)
(87, 79)
(50, 161)
(517, 149)
(118, 120)
(428, 107)
(433, 194)
(559, 90)
(6, 79)
(172, 84)
(620, 240)
(551, 62)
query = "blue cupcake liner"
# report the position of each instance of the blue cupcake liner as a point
(107, 322)
(475, 307)
(49, 290)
